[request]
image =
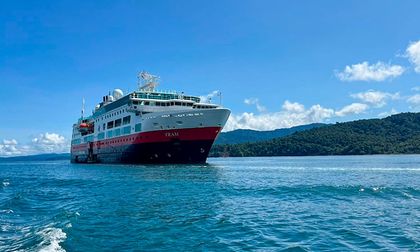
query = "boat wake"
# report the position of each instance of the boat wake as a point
(51, 239)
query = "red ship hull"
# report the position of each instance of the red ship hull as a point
(163, 146)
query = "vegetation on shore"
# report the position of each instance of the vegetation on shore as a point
(396, 134)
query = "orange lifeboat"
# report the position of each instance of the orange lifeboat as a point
(84, 127)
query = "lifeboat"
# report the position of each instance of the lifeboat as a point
(84, 127)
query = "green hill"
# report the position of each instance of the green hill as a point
(397, 134)
(247, 136)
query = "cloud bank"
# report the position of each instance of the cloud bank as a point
(291, 114)
(44, 143)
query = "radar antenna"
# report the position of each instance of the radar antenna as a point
(147, 81)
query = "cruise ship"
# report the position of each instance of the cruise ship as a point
(147, 126)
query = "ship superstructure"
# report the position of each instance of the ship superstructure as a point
(148, 126)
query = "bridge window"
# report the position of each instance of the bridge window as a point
(126, 120)
(118, 123)
(110, 125)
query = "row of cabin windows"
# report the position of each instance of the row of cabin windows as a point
(118, 132)
(111, 133)
(112, 114)
(117, 123)
(163, 104)
(88, 139)
(76, 141)
(203, 106)
(163, 96)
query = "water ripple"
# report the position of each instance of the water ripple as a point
(229, 204)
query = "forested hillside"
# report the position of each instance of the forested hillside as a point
(397, 134)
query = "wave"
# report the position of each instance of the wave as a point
(329, 190)
(51, 239)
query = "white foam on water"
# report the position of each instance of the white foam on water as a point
(378, 189)
(6, 211)
(6, 183)
(52, 237)
(5, 227)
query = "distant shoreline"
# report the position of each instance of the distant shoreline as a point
(66, 156)
(38, 157)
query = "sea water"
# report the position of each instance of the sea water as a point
(230, 204)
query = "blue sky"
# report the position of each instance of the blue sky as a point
(277, 63)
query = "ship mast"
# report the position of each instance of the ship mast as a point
(83, 107)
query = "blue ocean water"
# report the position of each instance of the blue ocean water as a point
(230, 204)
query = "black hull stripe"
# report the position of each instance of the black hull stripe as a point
(171, 152)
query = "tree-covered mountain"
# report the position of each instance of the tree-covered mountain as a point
(248, 136)
(397, 134)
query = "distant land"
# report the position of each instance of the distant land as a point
(248, 136)
(39, 157)
(396, 134)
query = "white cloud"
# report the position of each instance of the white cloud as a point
(291, 114)
(8, 148)
(208, 97)
(376, 98)
(10, 142)
(255, 101)
(413, 54)
(416, 89)
(49, 139)
(293, 107)
(354, 108)
(414, 100)
(44, 143)
(50, 142)
(365, 72)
